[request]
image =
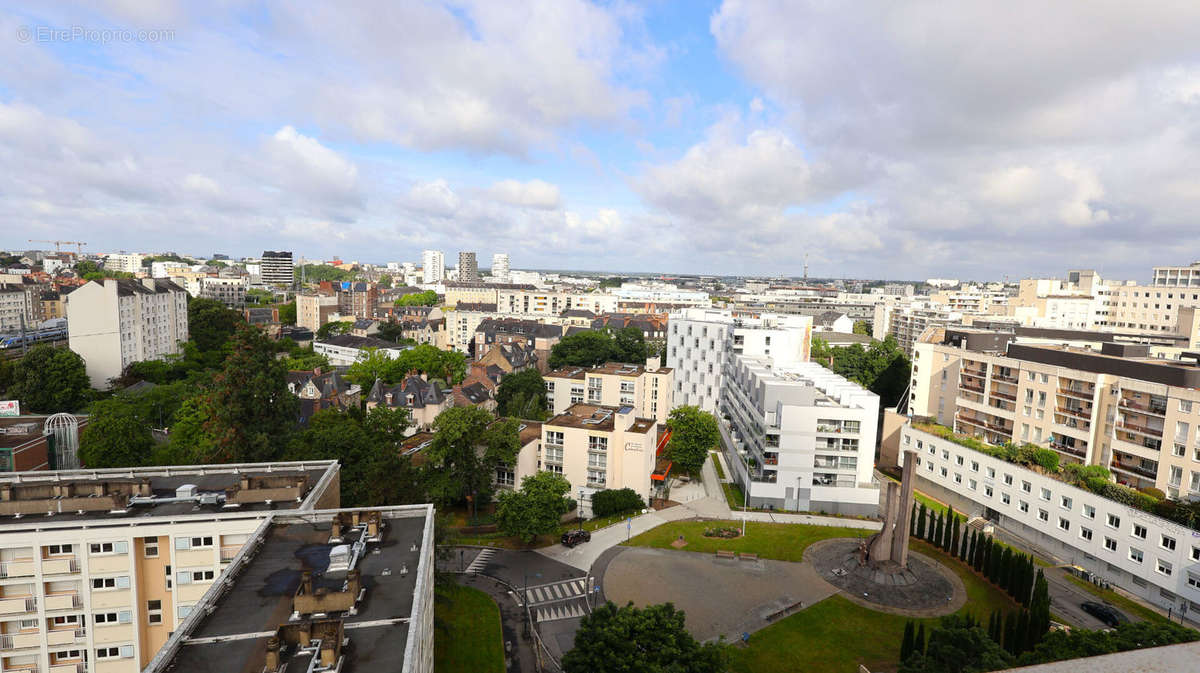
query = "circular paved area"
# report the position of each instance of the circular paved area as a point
(929, 589)
(719, 596)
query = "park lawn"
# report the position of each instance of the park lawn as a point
(837, 635)
(1133, 608)
(467, 635)
(778, 541)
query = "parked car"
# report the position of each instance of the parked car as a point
(574, 537)
(1104, 613)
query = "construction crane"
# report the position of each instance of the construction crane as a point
(58, 244)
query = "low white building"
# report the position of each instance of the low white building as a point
(799, 437)
(1151, 557)
(346, 349)
(125, 321)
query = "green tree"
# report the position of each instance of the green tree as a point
(536, 509)
(906, 644)
(426, 298)
(611, 281)
(316, 273)
(468, 445)
(332, 329)
(372, 364)
(862, 327)
(615, 501)
(629, 345)
(287, 313)
(522, 395)
(261, 297)
(116, 436)
(919, 641)
(694, 433)
(305, 359)
(1039, 610)
(587, 348)
(248, 410)
(882, 368)
(48, 380)
(385, 281)
(954, 538)
(210, 324)
(920, 528)
(391, 330)
(958, 645)
(646, 640)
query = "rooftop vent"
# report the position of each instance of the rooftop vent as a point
(186, 491)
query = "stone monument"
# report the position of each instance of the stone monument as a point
(890, 545)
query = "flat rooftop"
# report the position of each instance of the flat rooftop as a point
(69, 496)
(598, 417)
(610, 368)
(229, 630)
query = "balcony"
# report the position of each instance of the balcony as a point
(974, 373)
(1154, 408)
(1135, 469)
(60, 566)
(65, 601)
(1005, 378)
(78, 667)
(1078, 394)
(1073, 450)
(17, 605)
(1135, 428)
(1003, 396)
(20, 641)
(228, 552)
(16, 568)
(974, 389)
(65, 636)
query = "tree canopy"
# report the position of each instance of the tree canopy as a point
(210, 324)
(316, 273)
(646, 640)
(117, 435)
(694, 433)
(522, 395)
(536, 508)
(882, 368)
(468, 445)
(589, 348)
(862, 327)
(449, 366)
(426, 298)
(48, 380)
(334, 328)
(958, 645)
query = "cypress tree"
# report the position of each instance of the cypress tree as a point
(994, 562)
(906, 645)
(1039, 610)
(949, 526)
(919, 642)
(1024, 633)
(937, 535)
(1006, 570)
(921, 522)
(912, 520)
(962, 547)
(954, 539)
(1027, 584)
(971, 554)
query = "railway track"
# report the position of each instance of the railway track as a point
(15, 352)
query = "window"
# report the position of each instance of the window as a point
(1089, 511)
(945, 455)
(987, 491)
(1027, 487)
(154, 612)
(1114, 521)
(958, 460)
(1163, 567)
(991, 473)
(597, 444)
(1167, 542)
(1185, 406)
(117, 652)
(944, 472)
(1193, 582)
(1023, 506)
(1045, 494)
(1135, 555)
(1139, 531)
(1043, 515)
(1065, 502)
(1110, 544)
(973, 485)
(62, 621)
(957, 478)
(110, 582)
(58, 549)
(1085, 533)
(122, 617)
(109, 548)
(1008, 480)
(193, 542)
(151, 547)
(1005, 498)
(1196, 553)
(554, 438)
(1063, 524)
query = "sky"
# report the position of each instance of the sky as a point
(876, 139)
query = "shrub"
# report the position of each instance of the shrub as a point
(615, 501)
(1153, 492)
(1047, 459)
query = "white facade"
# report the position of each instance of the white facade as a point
(660, 293)
(167, 269)
(13, 305)
(551, 303)
(500, 270)
(701, 341)
(1156, 559)
(648, 389)
(802, 437)
(125, 321)
(127, 263)
(277, 268)
(342, 354)
(229, 291)
(433, 266)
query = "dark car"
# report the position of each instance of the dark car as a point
(574, 537)
(1104, 613)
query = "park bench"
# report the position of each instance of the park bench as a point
(745, 556)
(784, 610)
(724, 553)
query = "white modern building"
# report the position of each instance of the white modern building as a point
(113, 324)
(500, 271)
(433, 266)
(799, 437)
(468, 268)
(277, 268)
(126, 263)
(230, 291)
(660, 293)
(344, 350)
(167, 269)
(700, 342)
(1156, 559)
(13, 305)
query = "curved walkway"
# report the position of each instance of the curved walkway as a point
(939, 587)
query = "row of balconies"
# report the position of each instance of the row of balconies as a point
(27, 568)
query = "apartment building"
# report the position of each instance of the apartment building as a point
(598, 447)
(907, 320)
(1136, 415)
(1177, 276)
(468, 268)
(635, 295)
(500, 270)
(314, 309)
(1153, 558)
(433, 266)
(119, 322)
(277, 268)
(99, 567)
(229, 291)
(344, 350)
(526, 301)
(370, 610)
(799, 437)
(647, 389)
(125, 263)
(493, 332)
(701, 341)
(477, 293)
(13, 307)
(357, 299)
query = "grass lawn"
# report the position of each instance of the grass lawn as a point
(837, 635)
(717, 464)
(1132, 608)
(779, 541)
(467, 636)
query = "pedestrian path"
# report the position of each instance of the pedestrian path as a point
(480, 562)
(558, 600)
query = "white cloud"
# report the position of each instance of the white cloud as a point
(531, 194)
(309, 164)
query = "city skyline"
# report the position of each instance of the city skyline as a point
(677, 129)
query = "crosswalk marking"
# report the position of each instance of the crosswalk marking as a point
(480, 561)
(559, 600)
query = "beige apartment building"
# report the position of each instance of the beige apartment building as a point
(314, 309)
(99, 567)
(648, 389)
(530, 302)
(598, 447)
(1136, 415)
